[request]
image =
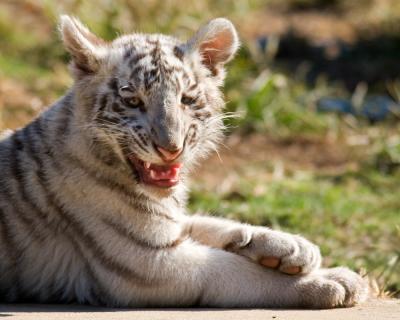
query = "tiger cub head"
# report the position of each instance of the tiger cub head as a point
(155, 100)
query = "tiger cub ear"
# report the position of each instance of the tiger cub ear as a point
(217, 43)
(86, 49)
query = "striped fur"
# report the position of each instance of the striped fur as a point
(78, 225)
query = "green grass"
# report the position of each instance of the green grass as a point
(353, 217)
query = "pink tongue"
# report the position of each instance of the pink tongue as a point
(165, 172)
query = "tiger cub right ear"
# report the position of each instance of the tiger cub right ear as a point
(87, 50)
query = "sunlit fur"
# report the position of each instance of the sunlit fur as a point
(78, 225)
(159, 70)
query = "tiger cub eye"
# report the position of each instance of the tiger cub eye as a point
(133, 102)
(188, 101)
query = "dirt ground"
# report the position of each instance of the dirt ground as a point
(292, 154)
(373, 310)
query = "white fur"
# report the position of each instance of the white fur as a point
(206, 261)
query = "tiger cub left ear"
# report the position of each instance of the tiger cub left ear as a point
(86, 49)
(217, 43)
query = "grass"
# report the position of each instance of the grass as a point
(353, 217)
(352, 212)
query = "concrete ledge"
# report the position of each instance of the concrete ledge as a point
(373, 310)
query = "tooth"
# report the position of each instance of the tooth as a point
(152, 174)
(147, 165)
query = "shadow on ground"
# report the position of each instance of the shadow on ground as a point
(374, 309)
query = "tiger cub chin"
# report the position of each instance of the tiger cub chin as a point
(92, 192)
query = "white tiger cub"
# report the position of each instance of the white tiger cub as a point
(92, 195)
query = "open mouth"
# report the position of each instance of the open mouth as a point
(162, 176)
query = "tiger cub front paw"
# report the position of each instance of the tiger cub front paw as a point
(290, 254)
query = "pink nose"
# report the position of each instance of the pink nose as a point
(169, 155)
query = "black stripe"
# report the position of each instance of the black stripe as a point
(114, 86)
(16, 147)
(139, 144)
(176, 201)
(178, 52)
(135, 59)
(78, 229)
(54, 226)
(198, 106)
(12, 252)
(125, 233)
(103, 102)
(103, 154)
(169, 70)
(94, 280)
(18, 173)
(136, 201)
(116, 107)
(107, 119)
(135, 72)
(202, 115)
(98, 253)
(142, 138)
(153, 73)
(128, 52)
(31, 232)
(177, 85)
(65, 119)
(30, 224)
(193, 86)
(98, 295)
(96, 176)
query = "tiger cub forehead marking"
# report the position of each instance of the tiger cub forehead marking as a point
(156, 60)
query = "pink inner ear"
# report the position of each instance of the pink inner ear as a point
(218, 49)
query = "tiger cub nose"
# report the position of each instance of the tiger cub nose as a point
(169, 155)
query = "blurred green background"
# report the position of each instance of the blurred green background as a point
(316, 149)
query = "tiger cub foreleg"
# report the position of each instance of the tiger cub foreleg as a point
(205, 276)
(291, 254)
